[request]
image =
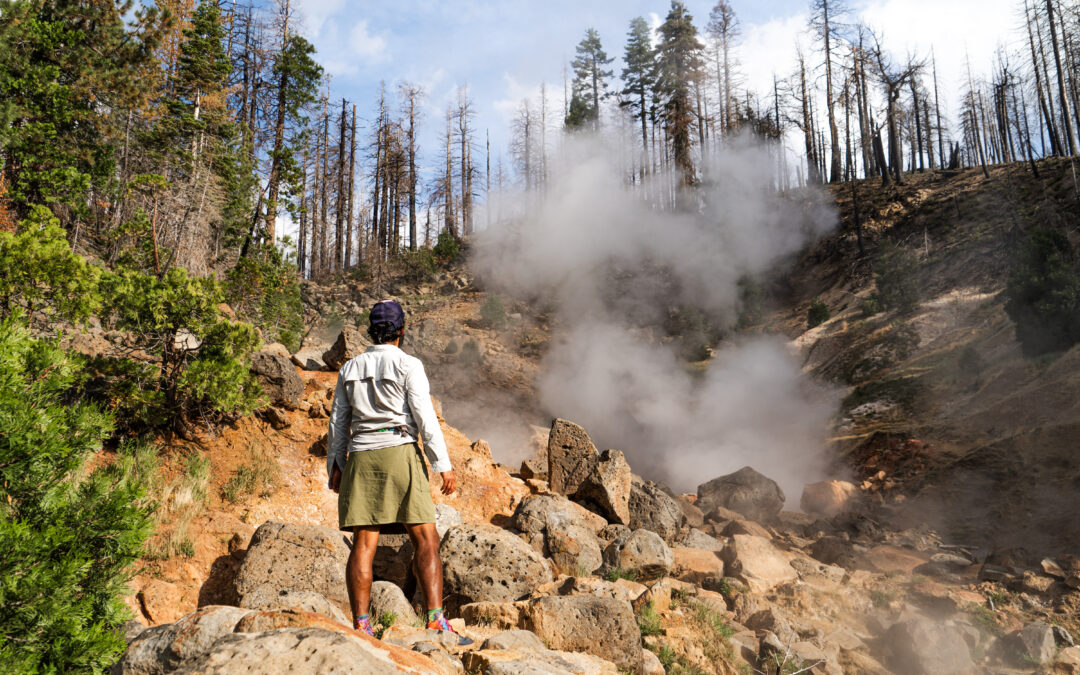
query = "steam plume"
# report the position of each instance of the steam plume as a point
(613, 267)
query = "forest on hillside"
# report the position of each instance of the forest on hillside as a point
(151, 155)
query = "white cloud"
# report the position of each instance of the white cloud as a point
(371, 48)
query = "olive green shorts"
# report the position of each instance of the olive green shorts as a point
(385, 487)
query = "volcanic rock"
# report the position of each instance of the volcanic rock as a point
(269, 598)
(389, 598)
(757, 563)
(599, 626)
(828, 498)
(350, 343)
(923, 647)
(292, 557)
(1035, 643)
(571, 457)
(486, 563)
(278, 378)
(746, 491)
(607, 487)
(653, 509)
(642, 553)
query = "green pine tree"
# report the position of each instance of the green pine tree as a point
(66, 71)
(679, 65)
(590, 80)
(69, 537)
(639, 75)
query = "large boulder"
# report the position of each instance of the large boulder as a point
(393, 558)
(350, 343)
(388, 598)
(290, 557)
(603, 627)
(536, 662)
(1035, 643)
(606, 490)
(269, 598)
(164, 648)
(641, 553)
(759, 564)
(486, 563)
(703, 568)
(746, 491)
(653, 509)
(278, 378)
(571, 457)
(828, 498)
(919, 646)
(561, 530)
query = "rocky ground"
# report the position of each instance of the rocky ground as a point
(571, 563)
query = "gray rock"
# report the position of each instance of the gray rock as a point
(1062, 637)
(610, 533)
(309, 358)
(746, 491)
(515, 640)
(277, 418)
(293, 557)
(834, 551)
(534, 468)
(446, 516)
(1035, 642)
(269, 597)
(606, 489)
(350, 343)
(393, 558)
(695, 538)
(603, 627)
(643, 553)
(571, 457)
(278, 378)
(164, 648)
(486, 563)
(919, 646)
(388, 597)
(304, 651)
(558, 529)
(653, 509)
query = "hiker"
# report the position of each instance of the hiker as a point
(382, 404)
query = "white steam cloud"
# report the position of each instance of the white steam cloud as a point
(612, 268)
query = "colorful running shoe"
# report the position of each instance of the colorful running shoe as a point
(440, 623)
(363, 623)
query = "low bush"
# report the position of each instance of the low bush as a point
(817, 314)
(1043, 294)
(896, 276)
(264, 289)
(447, 249)
(493, 313)
(419, 266)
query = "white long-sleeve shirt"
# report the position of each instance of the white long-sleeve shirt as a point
(383, 399)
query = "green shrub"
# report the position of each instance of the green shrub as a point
(494, 313)
(1043, 294)
(264, 289)
(817, 314)
(257, 476)
(38, 271)
(447, 249)
(620, 573)
(470, 353)
(751, 302)
(649, 621)
(871, 305)
(419, 265)
(68, 537)
(202, 360)
(896, 275)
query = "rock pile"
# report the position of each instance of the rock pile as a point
(601, 571)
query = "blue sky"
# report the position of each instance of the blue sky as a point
(503, 50)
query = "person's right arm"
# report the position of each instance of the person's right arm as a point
(337, 436)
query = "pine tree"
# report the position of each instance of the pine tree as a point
(69, 539)
(679, 66)
(590, 80)
(639, 77)
(296, 76)
(62, 64)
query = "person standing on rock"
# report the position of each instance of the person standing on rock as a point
(382, 405)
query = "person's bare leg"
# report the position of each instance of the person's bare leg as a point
(426, 563)
(358, 572)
